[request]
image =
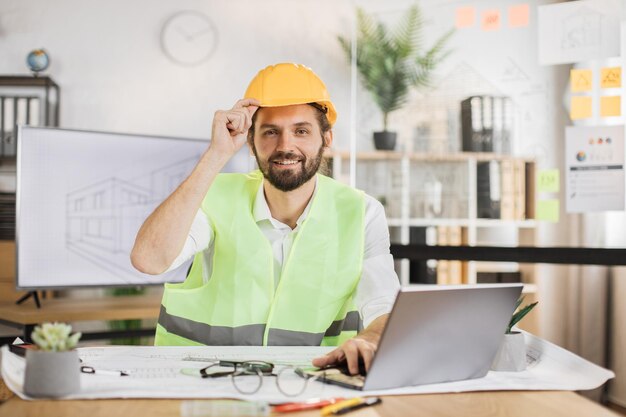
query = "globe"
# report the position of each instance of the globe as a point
(38, 60)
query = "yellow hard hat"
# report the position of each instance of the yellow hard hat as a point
(287, 84)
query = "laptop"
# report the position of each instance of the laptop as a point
(435, 334)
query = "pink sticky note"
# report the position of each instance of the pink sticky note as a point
(490, 20)
(465, 17)
(519, 15)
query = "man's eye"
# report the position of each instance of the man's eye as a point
(302, 132)
(269, 132)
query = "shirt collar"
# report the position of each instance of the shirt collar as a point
(261, 210)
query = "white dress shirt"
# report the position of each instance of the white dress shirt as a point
(378, 286)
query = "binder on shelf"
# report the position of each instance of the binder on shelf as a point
(422, 272)
(443, 266)
(486, 124)
(455, 268)
(507, 183)
(472, 124)
(488, 192)
(519, 177)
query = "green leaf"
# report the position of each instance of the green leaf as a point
(520, 314)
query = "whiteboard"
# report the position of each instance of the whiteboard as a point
(82, 196)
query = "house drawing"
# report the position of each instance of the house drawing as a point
(102, 219)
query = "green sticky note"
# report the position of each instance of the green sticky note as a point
(548, 210)
(548, 181)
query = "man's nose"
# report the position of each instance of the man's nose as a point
(285, 141)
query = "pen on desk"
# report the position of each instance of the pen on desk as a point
(349, 405)
(366, 403)
(92, 370)
(311, 404)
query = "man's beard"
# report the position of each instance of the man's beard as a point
(289, 179)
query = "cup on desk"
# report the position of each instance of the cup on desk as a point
(51, 374)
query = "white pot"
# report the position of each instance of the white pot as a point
(511, 355)
(51, 374)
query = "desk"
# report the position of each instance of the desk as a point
(500, 403)
(26, 316)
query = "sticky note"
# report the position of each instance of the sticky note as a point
(610, 106)
(580, 80)
(548, 210)
(548, 181)
(580, 107)
(490, 20)
(465, 17)
(519, 15)
(611, 77)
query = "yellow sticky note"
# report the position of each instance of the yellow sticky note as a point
(465, 17)
(611, 77)
(610, 106)
(490, 20)
(580, 80)
(519, 15)
(548, 210)
(580, 107)
(548, 181)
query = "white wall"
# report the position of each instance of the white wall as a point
(106, 56)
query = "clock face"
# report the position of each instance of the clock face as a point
(188, 38)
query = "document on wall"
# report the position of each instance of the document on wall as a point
(594, 158)
(168, 372)
(577, 31)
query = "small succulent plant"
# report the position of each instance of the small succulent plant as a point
(519, 314)
(55, 337)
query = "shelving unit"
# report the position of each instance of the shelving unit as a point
(402, 180)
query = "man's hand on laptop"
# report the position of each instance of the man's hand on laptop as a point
(361, 347)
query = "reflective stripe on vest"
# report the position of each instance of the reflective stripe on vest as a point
(312, 303)
(252, 335)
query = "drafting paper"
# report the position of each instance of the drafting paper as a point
(580, 107)
(490, 20)
(578, 31)
(610, 106)
(611, 77)
(548, 181)
(581, 80)
(594, 158)
(548, 210)
(519, 15)
(465, 17)
(155, 372)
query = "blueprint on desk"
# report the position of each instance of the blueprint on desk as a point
(155, 372)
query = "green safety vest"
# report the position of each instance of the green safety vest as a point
(240, 305)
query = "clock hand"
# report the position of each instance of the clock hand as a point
(199, 33)
(183, 33)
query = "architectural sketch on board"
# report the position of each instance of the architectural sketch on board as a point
(104, 217)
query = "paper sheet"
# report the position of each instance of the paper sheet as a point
(155, 372)
(610, 106)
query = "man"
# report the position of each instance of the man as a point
(282, 256)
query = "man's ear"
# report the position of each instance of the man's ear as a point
(328, 139)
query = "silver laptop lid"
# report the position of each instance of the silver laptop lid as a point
(442, 333)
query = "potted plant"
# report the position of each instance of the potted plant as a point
(511, 355)
(392, 61)
(53, 369)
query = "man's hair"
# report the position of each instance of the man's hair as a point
(320, 114)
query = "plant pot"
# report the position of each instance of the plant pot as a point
(385, 141)
(51, 374)
(511, 356)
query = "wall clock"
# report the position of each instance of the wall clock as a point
(188, 38)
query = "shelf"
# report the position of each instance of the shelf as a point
(435, 157)
(524, 224)
(482, 223)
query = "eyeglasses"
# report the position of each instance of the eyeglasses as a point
(247, 377)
